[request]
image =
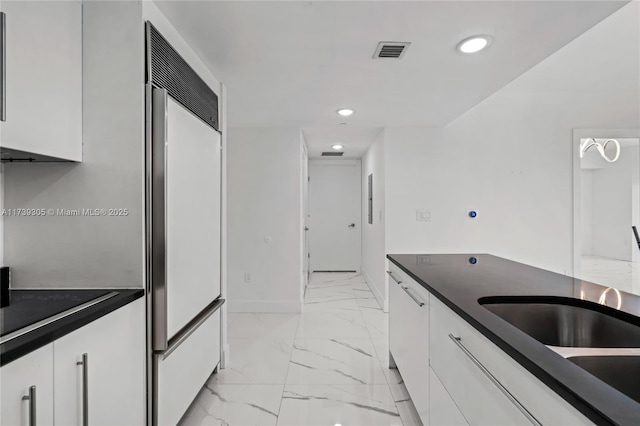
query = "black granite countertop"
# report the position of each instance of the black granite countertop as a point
(459, 284)
(29, 307)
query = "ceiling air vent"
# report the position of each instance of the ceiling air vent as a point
(332, 154)
(391, 50)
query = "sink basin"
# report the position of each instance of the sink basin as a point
(619, 372)
(558, 321)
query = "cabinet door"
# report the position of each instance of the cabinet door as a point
(479, 399)
(182, 373)
(34, 369)
(192, 216)
(409, 337)
(115, 348)
(442, 410)
(43, 78)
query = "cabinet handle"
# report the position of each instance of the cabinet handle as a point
(85, 388)
(415, 299)
(495, 381)
(3, 66)
(394, 278)
(32, 405)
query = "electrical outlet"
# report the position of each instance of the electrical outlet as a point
(423, 215)
(247, 277)
(424, 260)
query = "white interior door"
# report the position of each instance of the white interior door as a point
(192, 216)
(334, 208)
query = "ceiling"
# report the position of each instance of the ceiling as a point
(355, 139)
(294, 63)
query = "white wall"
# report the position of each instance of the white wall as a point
(89, 251)
(373, 235)
(613, 206)
(586, 210)
(264, 223)
(510, 157)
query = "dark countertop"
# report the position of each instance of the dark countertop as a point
(30, 306)
(459, 284)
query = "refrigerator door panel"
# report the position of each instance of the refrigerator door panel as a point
(193, 164)
(182, 374)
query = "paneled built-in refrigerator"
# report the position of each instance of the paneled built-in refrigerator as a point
(183, 194)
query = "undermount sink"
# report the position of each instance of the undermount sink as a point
(567, 322)
(619, 372)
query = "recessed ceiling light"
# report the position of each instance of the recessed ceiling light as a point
(345, 112)
(473, 44)
(337, 147)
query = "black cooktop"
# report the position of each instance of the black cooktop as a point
(31, 306)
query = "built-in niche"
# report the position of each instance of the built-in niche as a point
(370, 197)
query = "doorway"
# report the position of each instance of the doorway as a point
(334, 215)
(607, 208)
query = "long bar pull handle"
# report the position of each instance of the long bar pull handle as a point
(415, 299)
(3, 66)
(157, 203)
(32, 405)
(394, 278)
(495, 381)
(85, 388)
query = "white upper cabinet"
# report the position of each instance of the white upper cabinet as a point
(43, 75)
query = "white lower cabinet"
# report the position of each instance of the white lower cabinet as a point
(479, 400)
(455, 375)
(409, 336)
(33, 371)
(109, 389)
(113, 391)
(513, 396)
(443, 411)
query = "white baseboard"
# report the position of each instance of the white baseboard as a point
(375, 291)
(265, 306)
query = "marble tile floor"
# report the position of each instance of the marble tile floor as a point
(612, 273)
(325, 366)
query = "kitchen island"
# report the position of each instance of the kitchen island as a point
(466, 303)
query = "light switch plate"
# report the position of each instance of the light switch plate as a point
(423, 215)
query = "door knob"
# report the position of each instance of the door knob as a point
(306, 228)
(353, 225)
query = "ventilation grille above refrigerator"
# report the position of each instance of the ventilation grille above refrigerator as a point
(166, 69)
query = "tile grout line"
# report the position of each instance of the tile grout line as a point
(286, 376)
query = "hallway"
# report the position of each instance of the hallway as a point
(326, 366)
